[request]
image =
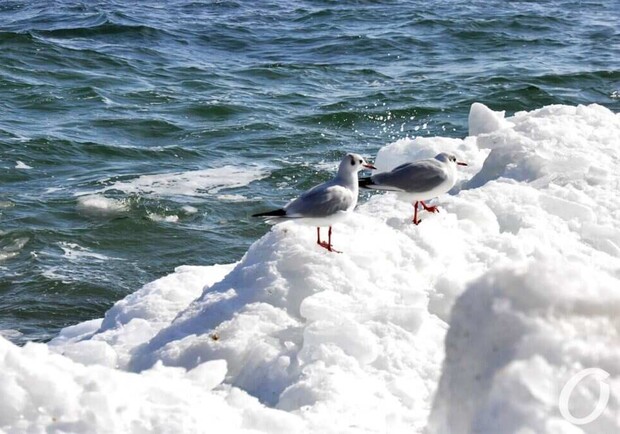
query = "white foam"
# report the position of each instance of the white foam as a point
(97, 204)
(13, 248)
(191, 183)
(78, 263)
(163, 218)
(470, 322)
(75, 252)
(51, 190)
(232, 197)
(10, 333)
(188, 209)
(21, 165)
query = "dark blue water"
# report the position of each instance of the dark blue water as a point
(94, 95)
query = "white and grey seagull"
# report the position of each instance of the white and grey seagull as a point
(325, 203)
(418, 181)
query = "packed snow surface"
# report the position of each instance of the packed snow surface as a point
(472, 321)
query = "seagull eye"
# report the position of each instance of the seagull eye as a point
(360, 161)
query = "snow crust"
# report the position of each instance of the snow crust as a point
(472, 321)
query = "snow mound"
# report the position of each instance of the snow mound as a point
(517, 335)
(51, 391)
(472, 321)
(483, 120)
(136, 318)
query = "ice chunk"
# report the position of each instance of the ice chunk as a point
(483, 120)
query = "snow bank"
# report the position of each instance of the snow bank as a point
(472, 321)
(517, 335)
(522, 329)
(42, 389)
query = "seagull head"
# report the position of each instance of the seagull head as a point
(353, 163)
(445, 157)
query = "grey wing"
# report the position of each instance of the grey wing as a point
(321, 202)
(418, 176)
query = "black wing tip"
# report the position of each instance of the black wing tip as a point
(366, 182)
(275, 213)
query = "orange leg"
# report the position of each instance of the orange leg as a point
(326, 245)
(416, 221)
(431, 208)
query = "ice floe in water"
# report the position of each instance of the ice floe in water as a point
(473, 321)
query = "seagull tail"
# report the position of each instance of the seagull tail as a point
(366, 182)
(275, 213)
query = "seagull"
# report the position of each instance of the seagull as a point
(325, 203)
(418, 181)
